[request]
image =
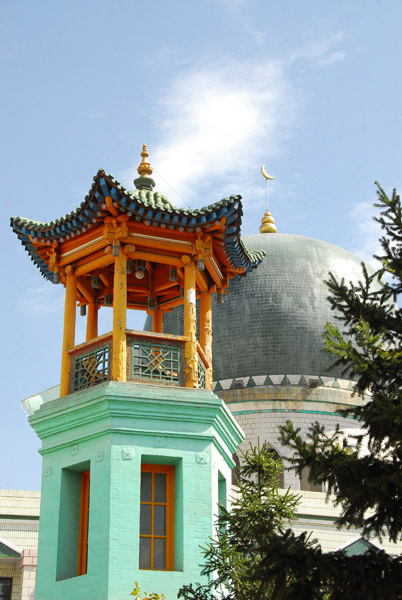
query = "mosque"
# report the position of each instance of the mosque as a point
(140, 439)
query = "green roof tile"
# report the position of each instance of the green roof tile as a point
(359, 547)
(7, 552)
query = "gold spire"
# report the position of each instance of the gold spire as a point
(145, 169)
(267, 223)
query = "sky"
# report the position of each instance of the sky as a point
(215, 88)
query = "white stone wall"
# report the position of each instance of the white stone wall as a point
(260, 410)
(12, 570)
(28, 573)
(19, 525)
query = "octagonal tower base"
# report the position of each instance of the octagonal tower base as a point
(105, 435)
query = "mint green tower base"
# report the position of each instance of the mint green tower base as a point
(111, 429)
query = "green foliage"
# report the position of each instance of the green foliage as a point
(246, 558)
(366, 482)
(255, 554)
(152, 596)
(372, 350)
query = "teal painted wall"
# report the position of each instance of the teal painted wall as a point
(112, 428)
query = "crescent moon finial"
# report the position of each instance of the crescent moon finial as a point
(268, 222)
(265, 174)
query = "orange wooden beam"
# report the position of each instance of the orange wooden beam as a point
(98, 263)
(138, 289)
(214, 270)
(85, 289)
(166, 306)
(109, 205)
(155, 257)
(201, 280)
(86, 249)
(152, 241)
(164, 286)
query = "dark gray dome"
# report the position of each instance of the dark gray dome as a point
(273, 319)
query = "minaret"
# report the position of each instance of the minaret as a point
(136, 449)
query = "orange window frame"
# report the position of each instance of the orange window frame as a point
(83, 525)
(169, 471)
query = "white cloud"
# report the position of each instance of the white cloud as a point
(330, 58)
(367, 233)
(41, 300)
(219, 122)
(320, 51)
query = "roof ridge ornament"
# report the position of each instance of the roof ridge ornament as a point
(267, 222)
(144, 181)
(144, 168)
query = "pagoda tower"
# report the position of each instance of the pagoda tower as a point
(137, 449)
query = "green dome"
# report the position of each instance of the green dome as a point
(273, 319)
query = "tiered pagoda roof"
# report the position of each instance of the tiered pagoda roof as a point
(135, 250)
(142, 206)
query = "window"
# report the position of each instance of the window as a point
(72, 548)
(276, 456)
(222, 497)
(157, 517)
(236, 470)
(306, 484)
(84, 521)
(5, 588)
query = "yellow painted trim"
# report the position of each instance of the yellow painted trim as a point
(169, 471)
(69, 331)
(206, 333)
(190, 326)
(91, 343)
(119, 361)
(155, 335)
(92, 322)
(83, 525)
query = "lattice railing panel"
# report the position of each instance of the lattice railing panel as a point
(156, 361)
(201, 375)
(91, 368)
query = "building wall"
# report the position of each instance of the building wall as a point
(111, 429)
(19, 524)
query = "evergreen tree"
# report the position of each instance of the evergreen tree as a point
(367, 485)
(251, 537)
(255, 556)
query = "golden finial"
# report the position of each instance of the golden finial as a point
(267, 223)
(144, 169)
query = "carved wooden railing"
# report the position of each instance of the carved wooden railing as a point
(152, 357)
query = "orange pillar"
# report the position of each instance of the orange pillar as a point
(157, 321)
(69, 331)
(190, 324)
(92, 322)
(206, 333)
(119, 362)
